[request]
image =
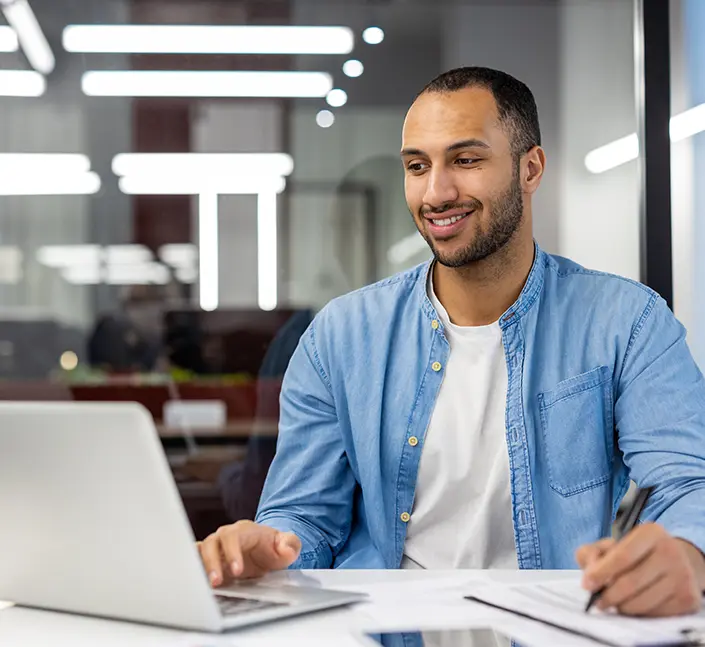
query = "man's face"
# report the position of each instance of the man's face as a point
(461, 180)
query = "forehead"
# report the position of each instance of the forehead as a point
(438, 119)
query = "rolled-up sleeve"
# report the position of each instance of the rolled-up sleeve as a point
(660, 421)
(310, 486)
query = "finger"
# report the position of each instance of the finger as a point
(680, 603)
(650, 601)
(276, 552)
(631, 588)
(210, 555)
(288, 547)
(624, 556)
(231, 549)
(587, 554)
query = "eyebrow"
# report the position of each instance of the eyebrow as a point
(465, 143)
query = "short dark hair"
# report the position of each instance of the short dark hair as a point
(515, 102)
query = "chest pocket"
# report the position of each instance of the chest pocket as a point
(577, 422)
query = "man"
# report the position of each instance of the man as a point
(488, 409)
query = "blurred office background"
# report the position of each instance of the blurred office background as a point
(184, 281)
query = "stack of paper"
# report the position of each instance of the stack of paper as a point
(561, 605)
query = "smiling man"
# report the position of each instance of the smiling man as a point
(489, 408)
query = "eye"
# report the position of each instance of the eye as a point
(416, 167)
(466, 161)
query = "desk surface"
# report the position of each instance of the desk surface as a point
(400, 600)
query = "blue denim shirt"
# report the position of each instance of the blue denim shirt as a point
(602, 388)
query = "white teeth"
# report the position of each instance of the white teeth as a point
(449, 221)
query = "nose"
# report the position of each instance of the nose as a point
(440, 188)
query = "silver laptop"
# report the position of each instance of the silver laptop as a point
(92, 523)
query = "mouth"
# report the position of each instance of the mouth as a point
(447, 222)
(450, 225)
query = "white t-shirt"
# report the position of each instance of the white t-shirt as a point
(462, 513)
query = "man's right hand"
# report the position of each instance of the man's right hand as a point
(246, 549)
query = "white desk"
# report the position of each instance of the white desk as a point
(401, 600)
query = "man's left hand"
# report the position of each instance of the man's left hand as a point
(647, 573)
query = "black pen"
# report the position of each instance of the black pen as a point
(627, 523)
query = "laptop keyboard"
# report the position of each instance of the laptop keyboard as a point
(233, 606)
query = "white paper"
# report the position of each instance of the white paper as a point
(563, 603)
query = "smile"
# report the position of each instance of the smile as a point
(446, 222)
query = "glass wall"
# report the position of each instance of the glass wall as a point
(166, 240)
(688, 167)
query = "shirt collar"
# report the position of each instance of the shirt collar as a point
(516, 311)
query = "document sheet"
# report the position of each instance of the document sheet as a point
(561, 604)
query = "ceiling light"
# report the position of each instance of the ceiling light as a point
(138, 274)
(208, 39)
(127, 255)
(325, 118)
(58, 256)
(206, 84)
(186, 274)
(688, 123)
(40, 164)
(614, 154)
(85, 184)
(353, 68)
(8, 39)
(179, 255)
(337, 98)
(209, 248)
(22, 83)
(373, 35)
(267, 273)
(201, 183)
(187, 164)
(82, 274)
(30, 35)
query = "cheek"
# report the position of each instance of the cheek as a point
(414, 191)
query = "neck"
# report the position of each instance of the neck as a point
(478, 294)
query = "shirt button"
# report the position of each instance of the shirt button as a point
(405, 517)
(435, 324)
(413, 441)
(436, 366)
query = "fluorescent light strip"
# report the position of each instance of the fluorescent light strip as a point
(38, 164)
(208, 250)
(144, 274)
(199, 183)
(207, 39)
(22, 83)
(688, 123)
(30, 35)
(128, 255)
(85, 184)
(179, 255)
(267, 251)
(202, 164)
(8, 39)
(614, 154)
(206, 84)
(58, 256)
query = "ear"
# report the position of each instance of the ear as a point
(533, 164)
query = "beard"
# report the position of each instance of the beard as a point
(506, 216)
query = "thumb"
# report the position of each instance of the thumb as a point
(288, 545)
